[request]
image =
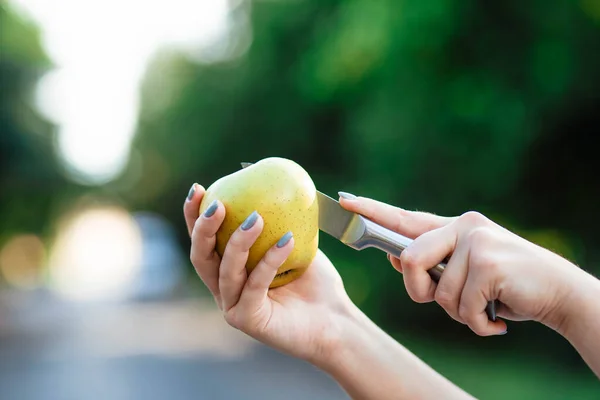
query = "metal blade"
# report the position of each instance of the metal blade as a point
(337, 221)
(333, 219)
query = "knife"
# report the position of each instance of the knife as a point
(359, 233)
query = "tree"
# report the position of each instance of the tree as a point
(443, 106)
(29, 173)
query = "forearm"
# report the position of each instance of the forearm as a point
(580, 323)
(369, 364)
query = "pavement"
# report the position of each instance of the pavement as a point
(177, 349)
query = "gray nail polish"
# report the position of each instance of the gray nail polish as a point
(347, 196)
(284, 239)
(212, 208)
(250, 221)
(191, 192)
(504, 333)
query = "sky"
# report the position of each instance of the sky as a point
(101, 50)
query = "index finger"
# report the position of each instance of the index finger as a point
(191, 207)
(411, 224)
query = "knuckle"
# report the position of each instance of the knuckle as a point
(483, 261)
(471, 319)
(409, 260)
(490, 265)
(195, 258)
(241, 321)
(482, 256)
(473, 218)
(201, 225)
(239, 242)
(465, 314)
(443, 297)
(254, 283)
(419, 296)
(399, 226)
(231, 279)
(416, 297)
(477, 329)
(231, 318)
(271, 258)
(400, 219)
(479, 236)
(203, 234)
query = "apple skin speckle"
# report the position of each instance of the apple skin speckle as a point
(283, 193)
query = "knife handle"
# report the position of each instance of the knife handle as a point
(393, 243)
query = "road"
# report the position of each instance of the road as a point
(179, 349)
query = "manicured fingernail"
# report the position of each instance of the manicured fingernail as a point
(504, 333)
(212, 209)
(284, 239)
(250, 221)
(191, 192)
(347, 196)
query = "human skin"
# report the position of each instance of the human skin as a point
(489, 262)
(313, 318)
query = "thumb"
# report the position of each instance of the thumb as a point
(411, 224)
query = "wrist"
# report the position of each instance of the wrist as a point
(333, 343)
(579, 321)
(370, 364)
(576, 305)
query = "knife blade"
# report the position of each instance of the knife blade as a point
(358, 232)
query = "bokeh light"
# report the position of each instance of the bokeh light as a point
(21, 261)
(93, 92)
(110, 110)
(96, 255)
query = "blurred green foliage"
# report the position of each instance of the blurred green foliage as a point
(444, 106)
(30, 176)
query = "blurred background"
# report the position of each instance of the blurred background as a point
(110, 110)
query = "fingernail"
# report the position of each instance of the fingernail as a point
(503, 333)
(212, 208)
(347, 196)
(191, 192)
(250, 221)
(284, 239)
